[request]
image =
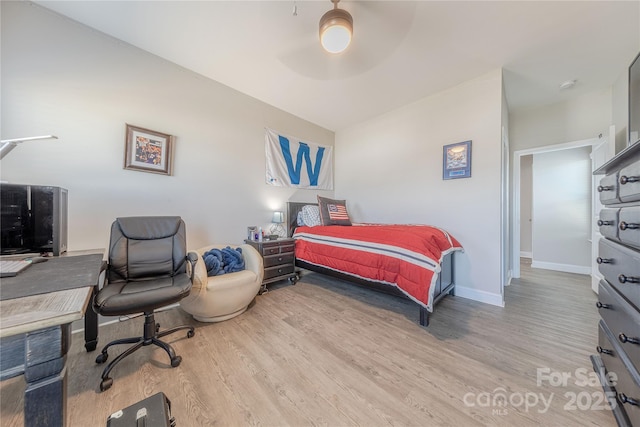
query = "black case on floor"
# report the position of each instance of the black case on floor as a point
(154, 411)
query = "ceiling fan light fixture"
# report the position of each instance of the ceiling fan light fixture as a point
(336, 29)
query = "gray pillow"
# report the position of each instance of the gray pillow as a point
(311, 215)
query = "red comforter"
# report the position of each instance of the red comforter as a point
(405, 256)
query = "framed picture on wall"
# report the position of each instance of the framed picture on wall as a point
(148, 151)
(456, 160)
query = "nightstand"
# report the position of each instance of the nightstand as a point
(279, 260)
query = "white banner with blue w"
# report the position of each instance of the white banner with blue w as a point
(295, 163)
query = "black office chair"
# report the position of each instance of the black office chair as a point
(147, 269)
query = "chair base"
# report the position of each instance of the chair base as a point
(151, 336)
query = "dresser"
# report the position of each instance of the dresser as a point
(279, 260)
(618, 360)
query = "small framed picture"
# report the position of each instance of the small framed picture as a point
(456, 160)
(148, 151)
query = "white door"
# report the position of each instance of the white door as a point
(600, 154)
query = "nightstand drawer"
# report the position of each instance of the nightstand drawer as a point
(283, 258)
(273, 249)
(278, 259)
(287, 249)
(280, 270)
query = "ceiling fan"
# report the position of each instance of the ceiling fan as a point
(336, 29)
(377, 27)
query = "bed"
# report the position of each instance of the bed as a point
(413, 261)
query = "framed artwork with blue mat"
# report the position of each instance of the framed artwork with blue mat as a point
(456, 160)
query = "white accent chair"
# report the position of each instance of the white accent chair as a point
(218, 298)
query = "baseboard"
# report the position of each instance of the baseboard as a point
(526, 254)
(567, 268)
(481, 296)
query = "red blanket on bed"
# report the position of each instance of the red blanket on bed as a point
(405, 256)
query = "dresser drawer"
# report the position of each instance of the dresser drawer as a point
(629, 226)
(273, 249)
(284, 258)
(629, 183)
(608, 189)
(608, 223)
(621, 267)
(622, 319)
(626, 380)
(271, 272)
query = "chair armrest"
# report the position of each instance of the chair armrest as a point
(103, 266)
(102, 275)
(192, 257)
(253, 260)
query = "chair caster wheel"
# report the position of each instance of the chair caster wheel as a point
(293, 279)
(106, 384)
(102, 357)
(175, 361)
(190, 334)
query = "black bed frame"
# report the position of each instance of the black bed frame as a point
(444, 286)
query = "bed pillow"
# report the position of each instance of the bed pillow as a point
(300, 220)
(333, 212)
(310, 215)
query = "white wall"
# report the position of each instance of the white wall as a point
(390, 170)
(562, 210)
(60, 77)
(582, 118)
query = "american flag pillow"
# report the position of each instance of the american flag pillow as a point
(333, 212)
(337, 211)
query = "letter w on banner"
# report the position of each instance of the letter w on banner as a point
(294, 163)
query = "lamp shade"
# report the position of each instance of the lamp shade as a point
(278, 217)
(336, 29)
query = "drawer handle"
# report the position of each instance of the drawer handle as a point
(625, 179)
(601, 223)
(604, 351)
(601, 305)
(625, 339)
(626, 399)
(624, 279)
(605, 188)
(630, 226)
(600, 260)
(279, 258)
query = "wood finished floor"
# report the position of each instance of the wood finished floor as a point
(324, 352)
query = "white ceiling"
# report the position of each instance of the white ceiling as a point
(401, 51)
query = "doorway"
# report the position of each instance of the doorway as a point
(543, 153)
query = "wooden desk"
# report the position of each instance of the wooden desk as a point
(36, 335)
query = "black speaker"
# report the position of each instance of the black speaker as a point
(154, 411)
(34, 219)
